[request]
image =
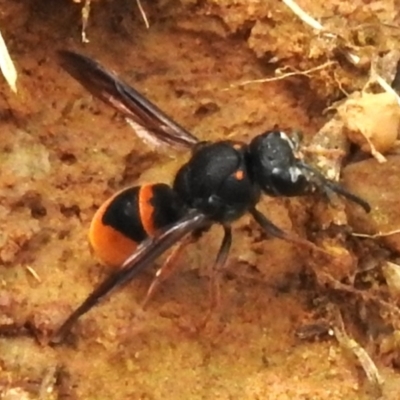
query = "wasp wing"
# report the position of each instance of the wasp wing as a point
(148, 251)
(150, 123)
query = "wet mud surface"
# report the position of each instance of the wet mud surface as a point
(63, 153)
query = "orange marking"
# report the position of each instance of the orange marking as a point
(239, 175)
(110, 246)
(146, 209)
(237, 146)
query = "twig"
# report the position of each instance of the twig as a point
(376, 235)
(326, 279)
(282, 76)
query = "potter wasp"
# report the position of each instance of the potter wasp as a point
(221, 182)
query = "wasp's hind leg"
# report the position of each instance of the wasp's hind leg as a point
(215, 277)
(168, 268)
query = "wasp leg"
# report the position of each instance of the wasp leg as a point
(214, 286)
(273, 230)
(167, 269)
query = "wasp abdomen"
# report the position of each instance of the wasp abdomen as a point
(131, 216)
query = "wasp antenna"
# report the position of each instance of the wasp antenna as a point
(335, 187)
(343, 192)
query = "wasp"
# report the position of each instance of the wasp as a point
(222, 181)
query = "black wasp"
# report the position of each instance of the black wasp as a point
(221, 182)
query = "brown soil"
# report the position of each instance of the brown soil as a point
(63, 153)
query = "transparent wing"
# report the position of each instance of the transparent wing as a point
(149, 122)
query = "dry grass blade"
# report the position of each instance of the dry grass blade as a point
(85, 20)
(7, 66)
(143, 14)
(385, 86)
(33, 273)
(48, 382)
(363, 358)
(306, 18)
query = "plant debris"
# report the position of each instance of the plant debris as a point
(391, 272)
(7, 66)
(348, 343)
(372, 121)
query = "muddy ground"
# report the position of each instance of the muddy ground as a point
(62, 153)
